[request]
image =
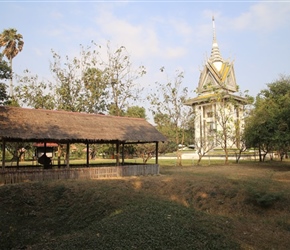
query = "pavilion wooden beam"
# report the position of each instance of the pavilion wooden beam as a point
(67, 154)
(118, 153)
(156, 153)
(58, 154)
(3, 153)
(123, 154)
(88, 155)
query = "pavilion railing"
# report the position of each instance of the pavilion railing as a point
(12, 175)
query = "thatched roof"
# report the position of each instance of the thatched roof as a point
(38, 125)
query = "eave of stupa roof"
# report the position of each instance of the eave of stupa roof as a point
(213, 97)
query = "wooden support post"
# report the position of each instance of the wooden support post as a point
(156, 153)
(88, 155)
(123, 155)
(117, 153)
(3, 153)
(58, 154)
(67, 154)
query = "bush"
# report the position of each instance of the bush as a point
(263, 199)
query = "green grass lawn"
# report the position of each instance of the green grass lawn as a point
(238, 206)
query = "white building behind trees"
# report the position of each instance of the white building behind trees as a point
(219, 110)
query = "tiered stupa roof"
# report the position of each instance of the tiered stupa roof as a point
(217, 75)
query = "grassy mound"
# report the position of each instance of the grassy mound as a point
(215, 207)
(101, 215)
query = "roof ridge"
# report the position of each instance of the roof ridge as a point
(74, 112)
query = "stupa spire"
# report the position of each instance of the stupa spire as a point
(213, 29)
(215, 57)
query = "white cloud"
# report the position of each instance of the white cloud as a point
(175, 52)
(142, 39)
(264, 17)
(181, 27)
(139, 39)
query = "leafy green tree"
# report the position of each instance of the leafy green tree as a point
(5, 74)
(13, 44)
(3, 94)
(69, 94)
(278, 95)
(136, 111)
(113, 110)
(121, 79)
(165, 126)
(189, 130)
(85, 83)
(167, 105)
(258, 133)
(169, 112)
(80, 84)
(17, 150)
(76, 86)
(95, 91)
(34, 93)
(268, 127)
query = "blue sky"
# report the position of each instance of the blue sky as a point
(174, 34)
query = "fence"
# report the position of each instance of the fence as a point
(11, 176)
(135, 170)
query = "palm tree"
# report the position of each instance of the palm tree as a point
(13, 44)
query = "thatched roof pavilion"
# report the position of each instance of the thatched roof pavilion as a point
(39, 125)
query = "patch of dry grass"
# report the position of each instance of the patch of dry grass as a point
(255, 197)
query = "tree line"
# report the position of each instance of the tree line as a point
(95, 82)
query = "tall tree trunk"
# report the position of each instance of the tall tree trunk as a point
(260, 154)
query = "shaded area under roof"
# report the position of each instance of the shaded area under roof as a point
(39, 125)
